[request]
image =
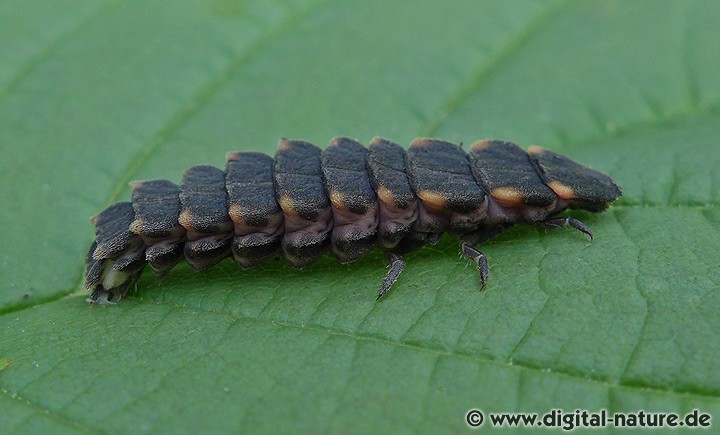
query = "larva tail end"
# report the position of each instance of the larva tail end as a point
(110, 285)
(100, 297)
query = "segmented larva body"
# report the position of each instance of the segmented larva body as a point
(346, 198)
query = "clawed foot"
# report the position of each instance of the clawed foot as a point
(563, 222)
(478, 258)
(396, 267)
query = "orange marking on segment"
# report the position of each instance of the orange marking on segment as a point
(287, 205)
(134, 185)
(137, 226)
(284, 144)
(508, 196)
(337, 200)
(185, 219)
(433, 199)
(481, 145)
(235, 213)
(562, 190)
(421, 143)
(377, 140)
(385, 196)
(534, 149)
(232, 156)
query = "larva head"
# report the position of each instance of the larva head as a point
(577, 185)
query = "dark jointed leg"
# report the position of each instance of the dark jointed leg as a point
(468, 244)
(481, 236)
(478, 258)
(562, 222)
(396, 267)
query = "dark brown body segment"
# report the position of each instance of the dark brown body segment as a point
(300, 191)
(506, 173)
(93, 268)
(353, 201)
(386, 163)
(205, 216)
(442, 179)
(112, 231)
(117, 256)
(578, 185)
(255, 213)
(157, 210)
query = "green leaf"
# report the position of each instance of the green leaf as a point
(96, 94)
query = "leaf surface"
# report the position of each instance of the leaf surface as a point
(99, 94)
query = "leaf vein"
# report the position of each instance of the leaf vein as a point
(42, 410)
(496, 61)
(25, 70)
(202, 97)
(633, 353)
(457, 354)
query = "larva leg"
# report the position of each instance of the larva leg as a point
(562, 222)
(468, 243)
(478, 258)
(481, 236)
(396, 267)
